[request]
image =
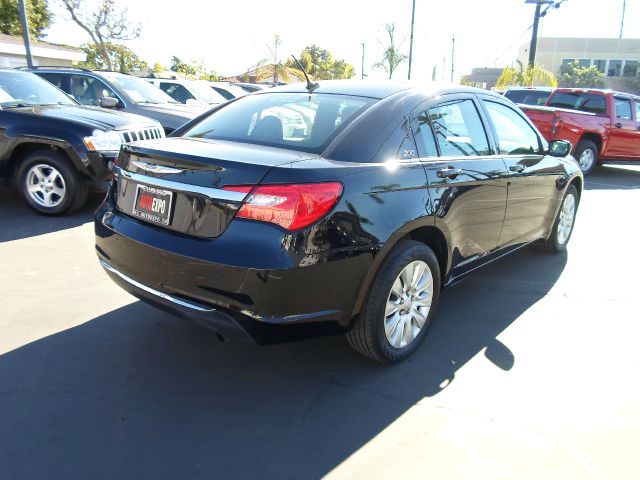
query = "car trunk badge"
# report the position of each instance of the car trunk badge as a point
(148, 167)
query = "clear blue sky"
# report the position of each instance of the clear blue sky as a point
(229, 37)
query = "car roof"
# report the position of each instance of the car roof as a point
(541, 89)
(377, 89)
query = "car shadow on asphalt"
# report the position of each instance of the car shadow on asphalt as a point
(139, 393)
(610, 177)
(18, 221)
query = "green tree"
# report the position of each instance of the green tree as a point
(392, 57)
(528, 76)
(192, 70)
(158, 67)
(105, 24)
(120, 58)
(38, 15)
(320, 64)
(573, 75)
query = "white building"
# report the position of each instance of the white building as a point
(13, 53)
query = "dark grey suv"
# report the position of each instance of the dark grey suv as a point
(120, 91)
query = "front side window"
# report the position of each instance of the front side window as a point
(22, 89)
(515, 136)
(298, 121)
(138, 90)
(623, 108)
(585, 102)
(89, 90)
(176, 91)
(425, 132)
(458, 129)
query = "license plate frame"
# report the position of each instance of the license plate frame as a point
(148, 214)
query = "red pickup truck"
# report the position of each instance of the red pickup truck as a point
(602, 125)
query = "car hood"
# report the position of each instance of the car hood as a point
(94, 117)
(184, 111)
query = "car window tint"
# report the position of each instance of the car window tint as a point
(89, 90)
(426, 135)
(176, 91)
(528, 97)
(289, 120)
(585, 102)
(515, 136)
(459, 130)
(623, 108)
(56, 78)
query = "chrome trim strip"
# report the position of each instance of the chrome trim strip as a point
(155, 292)
(212, 193)
(149, 167)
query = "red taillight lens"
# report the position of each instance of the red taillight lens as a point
(290, 206)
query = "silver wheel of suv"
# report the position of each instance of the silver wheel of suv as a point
(408, 304)
(45, 185)
(567, 216)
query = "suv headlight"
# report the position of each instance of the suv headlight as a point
(102, 141)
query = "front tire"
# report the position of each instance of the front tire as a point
(587, 156)
(564, 222)
(49, 183)
(401, 304)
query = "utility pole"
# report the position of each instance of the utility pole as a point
(453, 53)
(534, 36)
(25, 32)
(624, 10)
(413, 16)
(362, 66)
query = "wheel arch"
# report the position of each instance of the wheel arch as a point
(593, 137)
(26, 148)
(421, 230)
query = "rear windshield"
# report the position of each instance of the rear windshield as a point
(297, 121)
(528, 97)
(584, 102)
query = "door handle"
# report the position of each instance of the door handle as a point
(517, 167)
(449, 172)
(618, 125)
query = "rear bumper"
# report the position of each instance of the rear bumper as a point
(244, 284)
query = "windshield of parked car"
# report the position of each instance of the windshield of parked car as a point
(585, 102)
(206, 93)
(23, 89)
(140, 91)
(297, 121)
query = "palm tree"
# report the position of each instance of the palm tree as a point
(529, 76)
(392, 56)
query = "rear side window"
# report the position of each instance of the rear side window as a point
(584, 102)
(56, 78)
(425, 133)
(515, 136)
(623, 108)
(176, 91)
(458, 129)
(298, 121)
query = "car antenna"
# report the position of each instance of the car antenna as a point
(311, 86)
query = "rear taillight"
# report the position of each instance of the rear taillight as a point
(290, 206)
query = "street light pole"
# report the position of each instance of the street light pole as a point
(413, 16)
(25, 32)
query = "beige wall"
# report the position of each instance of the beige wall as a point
(552, 51)
(9, 60)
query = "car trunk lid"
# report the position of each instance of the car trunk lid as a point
(178, 183)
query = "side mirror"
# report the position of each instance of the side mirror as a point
(559, 148)
(108, 102)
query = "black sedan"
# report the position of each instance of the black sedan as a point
(350, 225)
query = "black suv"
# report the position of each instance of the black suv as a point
(53, 147)
(122, 92)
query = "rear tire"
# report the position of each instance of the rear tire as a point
(563, 224)
(587, 156)
(50, 184)
(399, 309)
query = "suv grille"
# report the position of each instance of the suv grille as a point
(141, 134)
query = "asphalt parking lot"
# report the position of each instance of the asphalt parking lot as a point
(530, 371)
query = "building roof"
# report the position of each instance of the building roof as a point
(15, 45)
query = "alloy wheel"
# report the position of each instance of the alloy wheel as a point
(567, 216)
(408, 304)
(45, 185)
(586, 160)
